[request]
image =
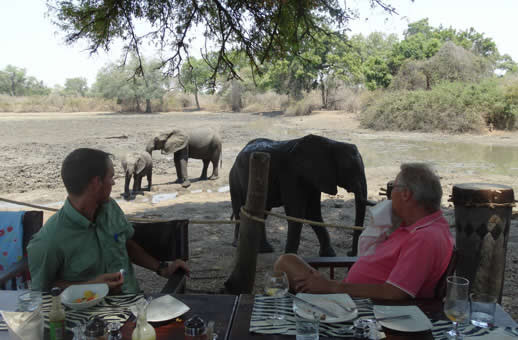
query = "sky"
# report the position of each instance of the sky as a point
(29, 40)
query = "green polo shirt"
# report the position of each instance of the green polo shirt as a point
(69, 247)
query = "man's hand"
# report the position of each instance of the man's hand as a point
(113, 280)
(173, 267)
(315, 282)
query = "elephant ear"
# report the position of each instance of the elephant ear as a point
(314, 161)
(177, 140)
(140, 165)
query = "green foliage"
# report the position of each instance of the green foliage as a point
(15, 82)
(130, 85)
(75, 87)
(453, 107)
(264, 30)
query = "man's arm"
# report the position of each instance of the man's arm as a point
(113, 280)
(140, 257)
(315, 282)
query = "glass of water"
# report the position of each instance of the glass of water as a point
(276, 284)
(482, 309)
(307, 329)
(29, 301)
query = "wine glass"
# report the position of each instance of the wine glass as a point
(456, 305)
(276, 284)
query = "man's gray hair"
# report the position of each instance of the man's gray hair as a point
(424, 184)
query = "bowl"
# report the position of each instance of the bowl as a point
(74, 292)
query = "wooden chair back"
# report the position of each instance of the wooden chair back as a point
(440, 288)
(32, 222)
(165, 241)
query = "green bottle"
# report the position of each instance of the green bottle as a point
(56, 316)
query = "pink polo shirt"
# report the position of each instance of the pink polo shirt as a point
(413, 258)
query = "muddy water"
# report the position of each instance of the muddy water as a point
(454, 156)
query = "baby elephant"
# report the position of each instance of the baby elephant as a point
(136, 164)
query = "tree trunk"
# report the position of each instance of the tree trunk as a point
(148, 105)
(243, 276)
(196, 98)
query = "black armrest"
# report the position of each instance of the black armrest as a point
(332, 263)
(176, 283)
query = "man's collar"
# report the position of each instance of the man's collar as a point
(423, 222)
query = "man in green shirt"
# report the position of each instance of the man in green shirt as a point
(89, 239)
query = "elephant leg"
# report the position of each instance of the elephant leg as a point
(215, 161)
(180, 161)
(204, 170)
(236, 234)
(314, 213)
(127, 180)
(149, 177)
(293, 241)
(138, 182)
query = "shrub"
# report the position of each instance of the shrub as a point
(304, 107)
(264, 102)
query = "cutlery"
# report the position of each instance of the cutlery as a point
(318, 308)
(393, 317)
(346, 308)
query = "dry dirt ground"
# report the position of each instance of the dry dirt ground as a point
(33, 146)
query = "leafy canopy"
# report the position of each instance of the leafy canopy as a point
(263, 30)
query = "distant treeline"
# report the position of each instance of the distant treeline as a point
(433, 79)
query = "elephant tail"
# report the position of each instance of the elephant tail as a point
(221, 159)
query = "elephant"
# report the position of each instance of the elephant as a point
(136, 165)
(201, 143)
(300, 170)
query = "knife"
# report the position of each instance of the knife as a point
(394, 317)
(318, 308)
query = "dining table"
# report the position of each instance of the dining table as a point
(219, 308)
(432, 308)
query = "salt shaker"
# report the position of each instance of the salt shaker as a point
(195, 329)
(95, 329)
(114, 331)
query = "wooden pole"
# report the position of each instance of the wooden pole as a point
(242, 279)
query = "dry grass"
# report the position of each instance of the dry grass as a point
(56, 103)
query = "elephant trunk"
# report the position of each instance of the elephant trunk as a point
(360, 202)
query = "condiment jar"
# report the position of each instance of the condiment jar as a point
(195, 329)
(95, 329)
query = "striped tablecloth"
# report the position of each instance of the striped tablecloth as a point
(264, 306)
(110, 309)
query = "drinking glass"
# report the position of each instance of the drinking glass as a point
(276, 284)
(456, 305)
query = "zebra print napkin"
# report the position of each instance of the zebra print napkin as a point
(110, 309)
(264, 306)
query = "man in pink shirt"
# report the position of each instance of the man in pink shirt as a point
(406, 265)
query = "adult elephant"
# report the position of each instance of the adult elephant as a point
(300, 170)
(201, 143)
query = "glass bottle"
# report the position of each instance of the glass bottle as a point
(56, 316)
(143, 330)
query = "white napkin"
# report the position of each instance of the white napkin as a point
(377, 228)
(24, 325)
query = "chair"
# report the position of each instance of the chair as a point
(348, 261)
(166, 241)
(32, 222)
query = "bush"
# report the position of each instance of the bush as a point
(449, 107)
(304, 107)
(56, 103)
(264, 102)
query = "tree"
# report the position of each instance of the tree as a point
(76, 87)
(123, 84)
(15, 82)
(263, 30)
(195, 77)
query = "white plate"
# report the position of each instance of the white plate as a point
(418, 321)
(331, 302)
(74, 292)
(165, 308)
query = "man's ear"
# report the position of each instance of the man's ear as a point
(406, 194)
